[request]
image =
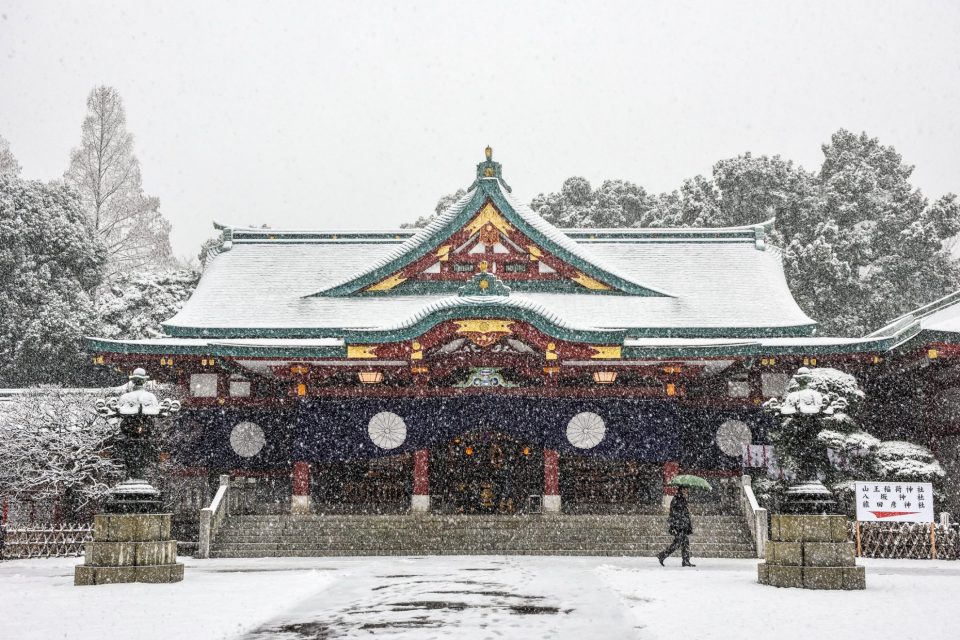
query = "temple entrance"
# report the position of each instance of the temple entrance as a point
(596, 485)
(486, 472)
(378, 485)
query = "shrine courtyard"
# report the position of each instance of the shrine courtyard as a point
(468, 597)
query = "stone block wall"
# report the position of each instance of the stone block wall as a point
(810, 552)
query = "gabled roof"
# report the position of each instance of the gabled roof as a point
(262, 286)
(295, 285)
(533, 226)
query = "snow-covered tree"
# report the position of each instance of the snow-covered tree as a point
(8, 163)
(132, 305)
(50, 262)
(819, 438)
(873, 242)
(860, 244)
(615, 203)
(208, 250)
(106, 173)
(442, 204)
(54, 447)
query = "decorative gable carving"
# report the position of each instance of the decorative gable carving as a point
(487, 231)
(489, 243)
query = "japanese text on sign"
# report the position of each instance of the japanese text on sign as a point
(894, 501)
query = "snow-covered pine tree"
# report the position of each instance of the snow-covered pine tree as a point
(615, 203)
(877, 235)
(860, 244)
(50, 262)
(833, 445)
(106, 173)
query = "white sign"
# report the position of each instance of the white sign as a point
(894, 501)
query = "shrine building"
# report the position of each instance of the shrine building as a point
(487, 363)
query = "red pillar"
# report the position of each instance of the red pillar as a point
(671, 468)
(551, 480)
(300, 501)
(421, 480)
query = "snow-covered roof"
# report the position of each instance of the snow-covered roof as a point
(314, 284)
(723, 287)
(936, 321)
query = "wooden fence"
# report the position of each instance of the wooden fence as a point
(906, 540)
(44, 541)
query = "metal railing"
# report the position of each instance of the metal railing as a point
(755, 515)
(39, 541)
(213, 516)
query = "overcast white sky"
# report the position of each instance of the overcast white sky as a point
(361, 115)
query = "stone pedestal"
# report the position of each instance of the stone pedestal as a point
(130, 547)
(810, 552)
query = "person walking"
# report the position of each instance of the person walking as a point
(680, 527)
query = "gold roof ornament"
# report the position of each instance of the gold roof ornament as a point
(490, 169)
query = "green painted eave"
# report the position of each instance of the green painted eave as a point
(750, 350)
(793, 331)
(96, 345)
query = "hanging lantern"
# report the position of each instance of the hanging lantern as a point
(604, 377)
(370, 377)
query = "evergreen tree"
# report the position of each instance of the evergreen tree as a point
(8, 164)
(50, 262)
(132, 306)
(860, 244)
(443, 204)
(616, 203)
(106, 173)
(830, 444)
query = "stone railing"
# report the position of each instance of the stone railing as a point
(213, 516)
(755, 516)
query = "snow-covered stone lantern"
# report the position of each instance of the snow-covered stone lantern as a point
(132, 540)
(136, 444)
(808, 548)
(802, 412)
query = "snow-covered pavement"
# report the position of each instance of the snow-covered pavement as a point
(475, 597)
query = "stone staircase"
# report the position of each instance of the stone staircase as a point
(254, 536)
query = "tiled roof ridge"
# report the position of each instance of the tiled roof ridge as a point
(744, 232)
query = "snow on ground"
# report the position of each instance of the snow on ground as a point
(475, 597)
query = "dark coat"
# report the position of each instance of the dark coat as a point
(679, 520)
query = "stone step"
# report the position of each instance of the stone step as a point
(333, 531)
(533, 526)
(453, 537)
(415, 548)
(432, 534)
(301, 553)
(478, 520)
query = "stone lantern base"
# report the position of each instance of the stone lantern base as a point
(130, 547)
(810, 552)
